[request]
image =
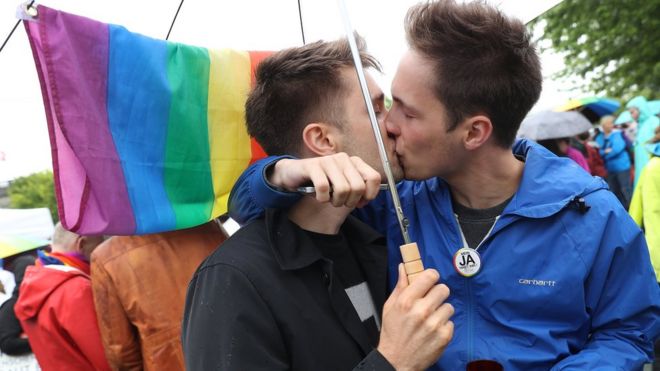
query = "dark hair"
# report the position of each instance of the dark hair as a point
(552, 145)
(298, 86)
(484, 62)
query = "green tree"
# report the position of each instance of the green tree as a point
(32, 191)
(611, 43)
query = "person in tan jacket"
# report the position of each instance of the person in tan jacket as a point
(139, 285)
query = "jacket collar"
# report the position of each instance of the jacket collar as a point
(295, 250)
(549, 183)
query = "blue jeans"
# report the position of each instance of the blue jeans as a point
(619, 183)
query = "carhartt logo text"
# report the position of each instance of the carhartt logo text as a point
(525, 281)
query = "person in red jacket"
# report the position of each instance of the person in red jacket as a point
(56, 307)
(595, 161)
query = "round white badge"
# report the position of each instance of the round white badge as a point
(467, 262)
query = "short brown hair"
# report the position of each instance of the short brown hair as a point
(298, 86)
(484, 62)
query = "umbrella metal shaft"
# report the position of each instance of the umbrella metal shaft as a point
(403, 222)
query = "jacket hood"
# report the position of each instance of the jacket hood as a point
(549, 183)
(38, 284)
(654, 149)
(624, 118)
(643, 106)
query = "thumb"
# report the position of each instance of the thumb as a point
(401, 283)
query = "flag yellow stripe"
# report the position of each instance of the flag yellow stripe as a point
(229, 85)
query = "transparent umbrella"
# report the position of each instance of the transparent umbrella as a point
(552, 125)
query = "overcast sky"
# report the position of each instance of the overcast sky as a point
(242, 24)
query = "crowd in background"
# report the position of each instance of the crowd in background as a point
(617, 149)
(118, 304)
(624, 150)
(89, 304)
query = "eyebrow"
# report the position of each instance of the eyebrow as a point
(400, 101)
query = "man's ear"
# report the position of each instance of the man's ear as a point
(321, 138)
(79, 243)
(478, 130)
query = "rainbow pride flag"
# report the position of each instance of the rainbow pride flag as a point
(146, 135)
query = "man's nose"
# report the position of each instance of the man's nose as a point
(390, 127)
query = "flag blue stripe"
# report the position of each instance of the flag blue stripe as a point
(139, 100)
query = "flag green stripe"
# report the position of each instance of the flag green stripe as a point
(188, 178)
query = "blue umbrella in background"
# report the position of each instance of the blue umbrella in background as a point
(593, 108)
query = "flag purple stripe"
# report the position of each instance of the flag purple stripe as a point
(75, 75)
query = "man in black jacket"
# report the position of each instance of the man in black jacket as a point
(12, 339)
(305, 288)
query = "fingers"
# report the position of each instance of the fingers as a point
(416, 328)
(340, 179)
(440, 317)
(417, 289)
(319, 179)
(445, 333)
(328, 176)
(370, 177)
(432, 315)
(440, 324)
(347, 183)
(410, 297)
(435, 297)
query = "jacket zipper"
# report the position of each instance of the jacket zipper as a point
(470, 320)
(470, 297)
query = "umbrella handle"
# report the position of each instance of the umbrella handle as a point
(412, 260)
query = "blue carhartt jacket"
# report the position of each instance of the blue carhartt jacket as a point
(565, 284)
(617, 159)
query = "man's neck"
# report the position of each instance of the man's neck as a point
(492, 176)
(317, 217)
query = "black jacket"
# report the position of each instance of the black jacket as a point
(268, 300)
(11, 341)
